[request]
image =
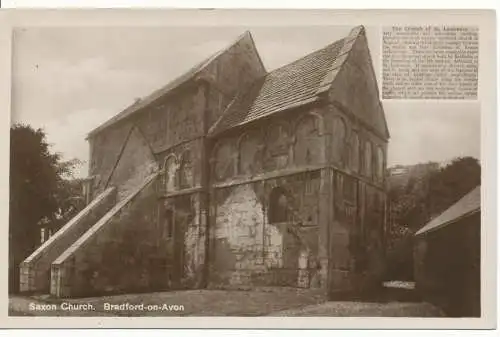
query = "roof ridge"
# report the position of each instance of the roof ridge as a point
(349, 41)
(360, 28)
(223, 50)
(317, 51)
(337, 47)
(171, 85)
(250, 35)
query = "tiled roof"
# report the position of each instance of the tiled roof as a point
(292, 85)
(186, 77)
(469, 204)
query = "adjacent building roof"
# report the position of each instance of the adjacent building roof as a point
(468, 205)
(292, 85)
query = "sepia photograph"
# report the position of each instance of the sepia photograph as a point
(246, 170)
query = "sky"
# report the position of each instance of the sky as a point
(69, 80)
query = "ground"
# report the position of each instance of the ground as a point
(394, 301)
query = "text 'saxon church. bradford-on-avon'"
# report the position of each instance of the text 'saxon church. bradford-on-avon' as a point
(232, 176)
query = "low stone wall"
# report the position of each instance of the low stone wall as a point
(120, 253)
(35, 270)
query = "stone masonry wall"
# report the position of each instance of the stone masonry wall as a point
(356, 116)
(357, 150)
(356, 234)
(135, 163)
(184, 114)
(166, 123)
(105, 150)
(187, 243)
(120, 253)
(186, 161)
(279, 149)
(249, 249)
(342, 231)
(230, 72)
(175, 118)
(292, 143)
(35, 270)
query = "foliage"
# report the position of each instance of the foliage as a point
(70, 201)
(33, 183)
(427, 193)
(451, 183)
(41, 190)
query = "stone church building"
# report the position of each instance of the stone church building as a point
(233, 176)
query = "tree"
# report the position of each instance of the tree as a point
(426, 194)
(37, 178)
(70, 200)
(451, 183)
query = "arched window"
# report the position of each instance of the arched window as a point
(380, 163)
(307, 145)
(339, 143)
(354, 152)
(368, 159)
(278, 206)
(170, 173)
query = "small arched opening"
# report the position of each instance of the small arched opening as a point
(278, 207)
